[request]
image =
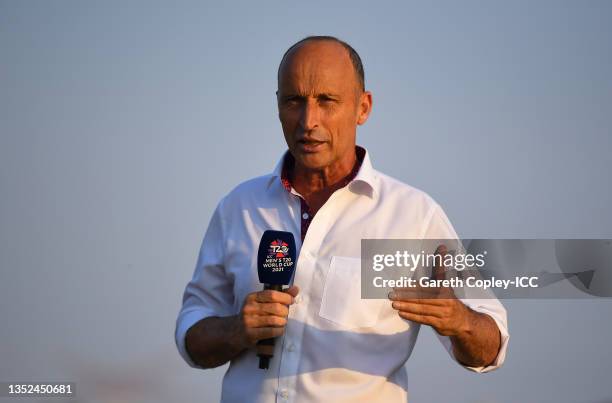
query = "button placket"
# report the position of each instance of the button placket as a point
(290, 359)
(305, 274)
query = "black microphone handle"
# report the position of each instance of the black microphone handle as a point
(264, 359)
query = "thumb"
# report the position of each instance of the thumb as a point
(293, 290)
(438, 272)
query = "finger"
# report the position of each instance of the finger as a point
(414, 293)
(250, 297)
(267, 308)
(423, 301)
(259, 321)
(421, 292)
(274, 296)
(420, 309)
(446, 293)
(423, 319)
(417, 290)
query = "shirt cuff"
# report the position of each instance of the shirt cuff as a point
(503, 331)
(184, 322)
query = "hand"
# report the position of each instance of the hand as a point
(264, 314)
(437, 307)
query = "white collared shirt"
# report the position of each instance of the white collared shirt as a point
(336, 347)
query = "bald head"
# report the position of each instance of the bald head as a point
(322, 48)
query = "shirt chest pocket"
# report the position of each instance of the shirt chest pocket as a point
(341, 302)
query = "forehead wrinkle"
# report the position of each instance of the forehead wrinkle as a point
(309, 80)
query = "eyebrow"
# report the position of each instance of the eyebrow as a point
(318, 95)
(328, 94)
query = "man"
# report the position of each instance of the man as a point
(331, 344)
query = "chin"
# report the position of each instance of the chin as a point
(312, 160)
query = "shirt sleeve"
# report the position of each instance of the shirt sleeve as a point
(482, 301)
(210, 292)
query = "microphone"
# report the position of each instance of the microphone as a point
(275, 266)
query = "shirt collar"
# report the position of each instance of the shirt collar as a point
(364, 181)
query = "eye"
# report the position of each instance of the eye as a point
(325, 99)
(291, 100)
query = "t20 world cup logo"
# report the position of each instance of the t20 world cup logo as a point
(278, 248)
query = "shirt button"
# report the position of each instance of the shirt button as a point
(305, 216)
(284, 394)
(291, 347)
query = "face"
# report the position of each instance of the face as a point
(320, 105)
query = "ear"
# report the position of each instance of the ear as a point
(364, 107)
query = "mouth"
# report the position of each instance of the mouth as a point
(310, 146)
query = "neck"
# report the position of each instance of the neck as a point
(310, 182)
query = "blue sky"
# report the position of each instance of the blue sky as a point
(123, 123)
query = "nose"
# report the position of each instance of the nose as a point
(309, 119)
